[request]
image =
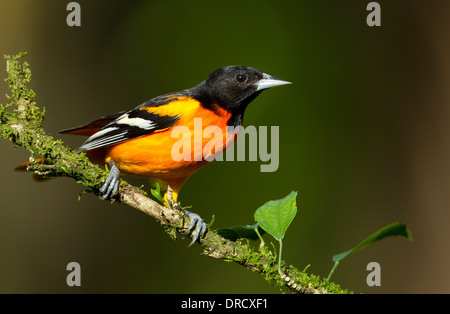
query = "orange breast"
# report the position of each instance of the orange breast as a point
(152, 155)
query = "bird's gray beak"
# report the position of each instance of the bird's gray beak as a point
(269, 81)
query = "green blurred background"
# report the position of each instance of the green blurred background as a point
(364, 138)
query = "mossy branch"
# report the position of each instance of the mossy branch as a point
(21, 121)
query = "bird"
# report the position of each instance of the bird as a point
(139, 142)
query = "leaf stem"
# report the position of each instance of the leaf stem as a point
(279, 257)
(259, 235)
(332, 270)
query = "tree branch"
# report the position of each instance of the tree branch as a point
(21, 122)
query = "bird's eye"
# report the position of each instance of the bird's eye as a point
(241, 78)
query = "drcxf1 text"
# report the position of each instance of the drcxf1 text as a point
(246, 303)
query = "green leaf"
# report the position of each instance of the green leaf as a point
(394, 229)
(240, 231)
(276, 216)
(156, 192)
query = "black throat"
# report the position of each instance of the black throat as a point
(202, 93)
(237, 114)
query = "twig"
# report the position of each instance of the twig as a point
(23, 127)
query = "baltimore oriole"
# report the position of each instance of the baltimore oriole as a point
(139, 141)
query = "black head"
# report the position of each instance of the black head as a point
(233, 88)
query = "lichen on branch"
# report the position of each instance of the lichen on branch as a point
(21, 121)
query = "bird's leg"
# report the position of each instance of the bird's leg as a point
(196, 220)
(111, 186)
(170, 200)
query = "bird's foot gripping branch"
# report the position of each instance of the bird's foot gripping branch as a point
(21, 122)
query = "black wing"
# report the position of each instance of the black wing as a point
(129, 125)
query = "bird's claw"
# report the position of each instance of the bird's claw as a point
(196, 220)
(111, 185)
